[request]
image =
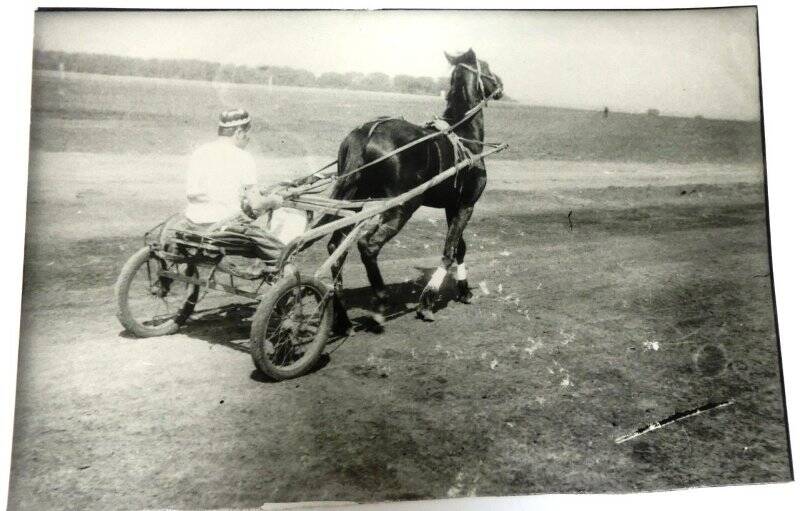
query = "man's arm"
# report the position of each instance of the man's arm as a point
(257, 203)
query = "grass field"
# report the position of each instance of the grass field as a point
(655, 299)
(146, 116)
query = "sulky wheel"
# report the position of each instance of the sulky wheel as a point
(291, 326)
(150, 305)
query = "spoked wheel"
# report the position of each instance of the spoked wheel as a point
(149, 305)
(290, 327)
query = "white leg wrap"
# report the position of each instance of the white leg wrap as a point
(461, 271)
(437, 278)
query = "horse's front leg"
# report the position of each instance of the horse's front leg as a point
(463, 292)
(454, 249)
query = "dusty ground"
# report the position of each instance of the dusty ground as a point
(656, 300)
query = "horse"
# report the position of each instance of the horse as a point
(471, 83)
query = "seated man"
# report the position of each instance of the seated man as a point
(222, 190)
(221, 182)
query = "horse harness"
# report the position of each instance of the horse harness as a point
(481, 75)
(460, 151)
(448, 130)
(377, 122)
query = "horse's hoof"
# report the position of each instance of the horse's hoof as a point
(426, 302)
(427, 298)
(378, 322)
(464, 294)
(379, 319)
(380, 307)
(425, 314)
(343, 328)
(346, 331)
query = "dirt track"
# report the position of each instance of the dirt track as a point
(656, 300)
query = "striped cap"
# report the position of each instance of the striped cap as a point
(233, 118)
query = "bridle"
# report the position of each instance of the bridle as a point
(480, 75)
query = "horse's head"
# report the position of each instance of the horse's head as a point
(472, 80)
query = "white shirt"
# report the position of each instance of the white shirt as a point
(220, 170)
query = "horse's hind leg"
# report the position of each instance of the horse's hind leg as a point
(341, 323)
(370, 246)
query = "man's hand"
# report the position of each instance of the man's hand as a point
(259, 204)
(271, 201)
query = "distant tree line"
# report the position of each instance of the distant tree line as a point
(214, 71)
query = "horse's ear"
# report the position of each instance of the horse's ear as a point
(467, 57)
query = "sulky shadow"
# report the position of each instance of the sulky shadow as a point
(229, 326)
(258, 376)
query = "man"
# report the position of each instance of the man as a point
(221, 182)
(223, 194)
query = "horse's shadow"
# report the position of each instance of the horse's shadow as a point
(402, 298)
(229, 325)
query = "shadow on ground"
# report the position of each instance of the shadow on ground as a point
(229, 326)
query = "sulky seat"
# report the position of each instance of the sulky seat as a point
(244, 241)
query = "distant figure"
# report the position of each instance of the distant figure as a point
(653, 112)
(605, 112)
(61, 76)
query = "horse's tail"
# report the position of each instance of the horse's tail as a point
(351, 156)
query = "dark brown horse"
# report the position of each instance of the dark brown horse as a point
(470, 83)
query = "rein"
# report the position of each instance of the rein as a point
(467, 116)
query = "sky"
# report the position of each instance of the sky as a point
(691, 62)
